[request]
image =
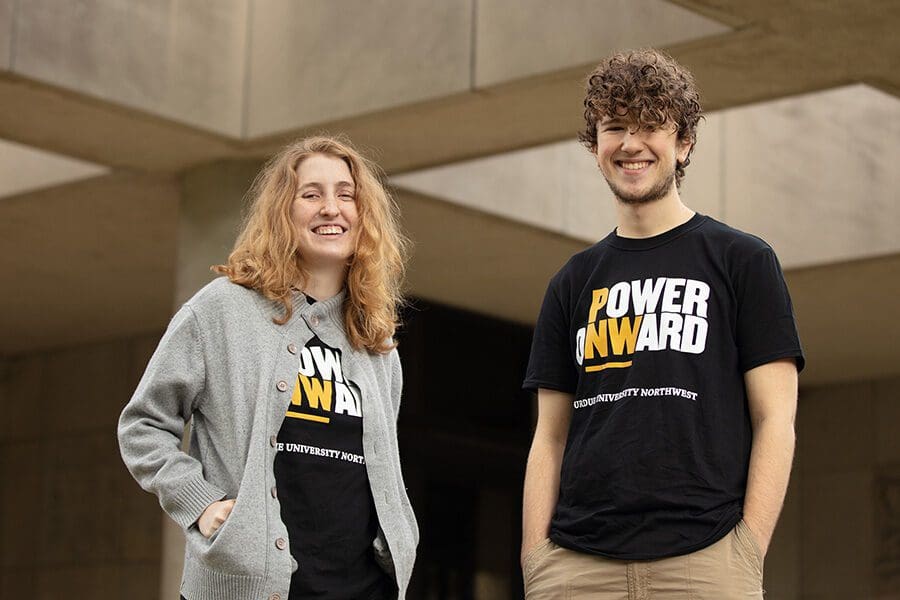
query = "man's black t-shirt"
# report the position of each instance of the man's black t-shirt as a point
(652, 337)
(322, 485)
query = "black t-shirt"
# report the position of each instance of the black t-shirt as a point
(652, 337)
(323, 488)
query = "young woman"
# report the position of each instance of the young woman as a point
(287, 370)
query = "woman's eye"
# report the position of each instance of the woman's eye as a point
(310, 196)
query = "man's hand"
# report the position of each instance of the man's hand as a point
(527, 550)
(213, 517)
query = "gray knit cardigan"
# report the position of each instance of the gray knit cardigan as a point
(224, 364)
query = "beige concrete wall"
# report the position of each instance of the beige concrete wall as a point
(116, 231)
(23, 169)
(72, 520)
(555, 187)
(7, 9)
(520, 38)
(180, 60)
(249, 68)
(212, 199)
(304, 69)
(847, 463)
(815, 174)
(312, 61)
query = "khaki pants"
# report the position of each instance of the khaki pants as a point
(730, 568)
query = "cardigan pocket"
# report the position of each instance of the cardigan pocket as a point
(236, 547)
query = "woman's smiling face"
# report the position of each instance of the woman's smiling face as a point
(324, 212)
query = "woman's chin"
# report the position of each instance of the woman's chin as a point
(327, 260)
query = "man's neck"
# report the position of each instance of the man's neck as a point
(652, 218)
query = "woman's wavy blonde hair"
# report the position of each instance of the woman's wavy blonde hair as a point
(267, 257)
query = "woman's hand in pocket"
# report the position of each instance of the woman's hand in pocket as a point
(213, 517)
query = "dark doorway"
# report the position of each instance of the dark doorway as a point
(465, 426)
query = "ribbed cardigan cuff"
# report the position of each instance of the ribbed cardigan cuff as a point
(187, 506)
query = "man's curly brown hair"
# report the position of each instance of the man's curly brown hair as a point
(647, 88)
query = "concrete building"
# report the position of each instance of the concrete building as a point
(130, 131)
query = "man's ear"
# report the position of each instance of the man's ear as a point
(684, 149)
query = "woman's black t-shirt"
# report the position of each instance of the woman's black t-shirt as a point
(322, 485)
(652, 337)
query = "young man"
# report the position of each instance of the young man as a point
(665, 359)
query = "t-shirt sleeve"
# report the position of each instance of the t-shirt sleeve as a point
(766, 326)
(550, 365)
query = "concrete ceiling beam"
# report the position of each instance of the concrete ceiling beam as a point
(87, 261)
(778, 49)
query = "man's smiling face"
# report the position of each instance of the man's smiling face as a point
(638, 164)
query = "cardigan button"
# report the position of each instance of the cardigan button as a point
(281, 385)
(274, 492)
(314, 320)
(280, 543)
(273, 440)
(275, 596)
(292, 348)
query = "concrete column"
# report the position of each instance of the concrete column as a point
(209, 220)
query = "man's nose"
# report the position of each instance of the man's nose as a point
(632, 140)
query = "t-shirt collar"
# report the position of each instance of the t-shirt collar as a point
(623, 243)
